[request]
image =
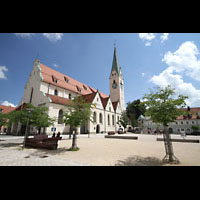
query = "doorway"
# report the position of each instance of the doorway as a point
(98, 129)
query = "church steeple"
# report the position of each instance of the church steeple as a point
(116, 82)
(115, 63)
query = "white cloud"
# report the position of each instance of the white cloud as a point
(164, 37)
(6, 103)
(24, 35)
(55, 65)
(143, 74)
(148, 44)
(181, 63)
(147, 37)
(2, 70)
(53, 36)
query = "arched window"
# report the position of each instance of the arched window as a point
(108, 119)
(113, 120)
(100, 118)
(56, 92)
(60, 117)
(94, 117)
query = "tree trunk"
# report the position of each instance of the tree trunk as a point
(169, 157)
(74, 139)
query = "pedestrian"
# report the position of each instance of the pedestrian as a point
(54, 134)
(58, 135)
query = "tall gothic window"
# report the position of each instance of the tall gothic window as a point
(60, 117)
(100, 118)
(56, 92)
(94, 117)
(113, 120)
(108, 119)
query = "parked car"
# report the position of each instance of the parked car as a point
(120, 131)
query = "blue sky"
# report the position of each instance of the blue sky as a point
(147, 60)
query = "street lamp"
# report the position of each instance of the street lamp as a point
(26, 133)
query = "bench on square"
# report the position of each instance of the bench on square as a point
(180, 140)
(121, 137)
(43, 141)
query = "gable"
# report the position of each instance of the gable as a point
(118, 108)
(109, 106)
(97, 101)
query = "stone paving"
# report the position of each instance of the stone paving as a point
(92, 153)
(12, 154)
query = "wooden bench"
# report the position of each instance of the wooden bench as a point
(43, 141)
(180, 140)
(121, 137)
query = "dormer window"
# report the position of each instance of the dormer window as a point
(54, 79)
(66, 79)
(78, 88)
(84, 87)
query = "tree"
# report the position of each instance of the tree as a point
(3, 119)
(78, 114)
(38, 116)
(134, 110)
(163, 109)
(124, 120)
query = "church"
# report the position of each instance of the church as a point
(50, 88)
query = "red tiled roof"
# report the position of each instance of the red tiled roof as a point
(89, 97)
(72, 84)
(6, 109)
(193, 112)
(115, 104)
(60, 100)
(104, 101)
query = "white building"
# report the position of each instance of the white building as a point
(50, 88)
(183, 123)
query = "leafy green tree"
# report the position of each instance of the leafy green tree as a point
(37, 117)
(78, 114)
(164, 109)
(124, 120)
(3, 119)
(134, 110)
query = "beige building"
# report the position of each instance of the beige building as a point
(182, 123)
(50, 88)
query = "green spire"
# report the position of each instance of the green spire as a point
(115, 64)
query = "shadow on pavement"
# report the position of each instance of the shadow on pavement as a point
(10, 144)
(140, 161)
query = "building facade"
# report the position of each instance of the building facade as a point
(5, 110)
(183, 123)
(50, 88)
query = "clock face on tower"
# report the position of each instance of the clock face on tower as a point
(114, 85)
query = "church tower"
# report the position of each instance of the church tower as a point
(117, 82)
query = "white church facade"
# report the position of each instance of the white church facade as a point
(50, 88)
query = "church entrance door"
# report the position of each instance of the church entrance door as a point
(98, 129)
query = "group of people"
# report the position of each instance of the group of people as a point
(54, 135)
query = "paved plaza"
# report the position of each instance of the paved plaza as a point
(98, 151)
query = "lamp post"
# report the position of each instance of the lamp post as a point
(26, 132)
